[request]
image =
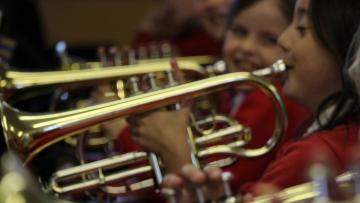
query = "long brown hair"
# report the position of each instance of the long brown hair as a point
(335, 23)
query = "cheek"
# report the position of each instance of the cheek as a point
(311, 83)
(290, 85)
(230, 47)
(296, 89)
(226, 50)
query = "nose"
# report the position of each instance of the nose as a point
(284, 40)
(248, 44)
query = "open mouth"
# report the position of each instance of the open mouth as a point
(288, 64)
(246, 65)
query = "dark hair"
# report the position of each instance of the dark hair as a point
(335, 23)
(353, 51)
(286, 7)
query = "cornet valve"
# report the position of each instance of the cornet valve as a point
(132, 57)
(152, 82)
(166, 50)
(134, 86)
(170, 78)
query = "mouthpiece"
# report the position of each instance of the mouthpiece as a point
(278, 67)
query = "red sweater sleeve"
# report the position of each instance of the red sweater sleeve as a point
(294, 160)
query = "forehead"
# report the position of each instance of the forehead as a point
(265, 12)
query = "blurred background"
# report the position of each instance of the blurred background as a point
(86, 23)
(37, 25)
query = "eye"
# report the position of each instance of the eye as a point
(239, 31)
(269, 39)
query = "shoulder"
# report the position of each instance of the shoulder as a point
(295, 159)
(341, 135)
(329, 145)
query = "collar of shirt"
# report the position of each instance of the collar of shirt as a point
(323, 118)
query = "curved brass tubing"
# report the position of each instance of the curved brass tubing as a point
(19, 80)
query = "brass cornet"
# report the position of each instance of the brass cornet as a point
(29, 134)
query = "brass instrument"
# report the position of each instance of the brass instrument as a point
(23, 83)
(29, 134)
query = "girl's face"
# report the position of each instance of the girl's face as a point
(354, 70)
(251, 40)
(313, 72)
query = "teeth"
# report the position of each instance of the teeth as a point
(244, 66)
